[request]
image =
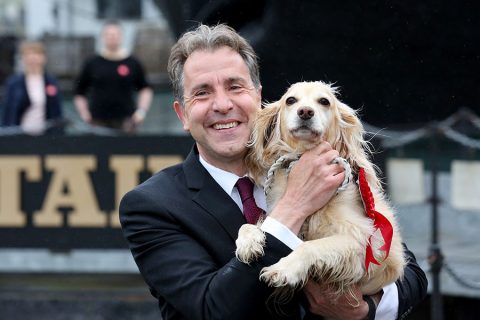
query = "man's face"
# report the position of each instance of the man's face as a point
(220, 104)
(112, 37)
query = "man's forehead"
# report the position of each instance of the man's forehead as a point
(220, 65)
(211, 59)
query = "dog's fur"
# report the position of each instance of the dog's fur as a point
(336, 236)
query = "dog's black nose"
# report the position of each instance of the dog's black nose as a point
(305, 113)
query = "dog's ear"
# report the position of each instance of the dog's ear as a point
(349, 134)
(265, 126)
(349, 120)
(352, 145)
(264, 131)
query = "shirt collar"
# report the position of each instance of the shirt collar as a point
(225, 179)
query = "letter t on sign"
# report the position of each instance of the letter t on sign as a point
(11, 214)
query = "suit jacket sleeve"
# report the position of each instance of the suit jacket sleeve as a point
(412, 288)
(9, 114)
(179, 254)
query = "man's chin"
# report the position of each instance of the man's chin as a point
(224, 147)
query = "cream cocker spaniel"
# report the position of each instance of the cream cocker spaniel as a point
(354, 238)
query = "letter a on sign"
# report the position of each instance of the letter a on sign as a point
(70, 173)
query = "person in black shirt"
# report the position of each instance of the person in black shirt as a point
(110, 81)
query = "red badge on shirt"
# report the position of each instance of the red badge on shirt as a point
(123, 70)
(51, 90)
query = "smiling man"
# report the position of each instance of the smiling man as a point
(221, 102)
(182, 223)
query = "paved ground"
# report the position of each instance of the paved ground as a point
(75, 297)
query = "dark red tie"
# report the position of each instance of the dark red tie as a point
(250, 209)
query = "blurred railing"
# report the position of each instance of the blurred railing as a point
(433, 132)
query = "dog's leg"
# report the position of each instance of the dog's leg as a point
(335, 260)
(250, 243)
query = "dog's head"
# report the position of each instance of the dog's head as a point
(309, 112)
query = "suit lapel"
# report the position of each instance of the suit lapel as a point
(211, 197)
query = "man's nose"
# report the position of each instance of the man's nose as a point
(222, 102)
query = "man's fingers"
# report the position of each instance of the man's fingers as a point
(320, 149)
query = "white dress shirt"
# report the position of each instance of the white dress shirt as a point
(387, 308)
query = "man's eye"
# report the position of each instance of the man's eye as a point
(235, 87)
(201, 93)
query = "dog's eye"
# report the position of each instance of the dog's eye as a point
(324, 102)
(290, 101)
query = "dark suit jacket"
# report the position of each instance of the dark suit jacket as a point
(181, 227)
(17, 101)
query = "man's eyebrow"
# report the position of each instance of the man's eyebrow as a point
(200, 86)
(206, 85)
(237, 79)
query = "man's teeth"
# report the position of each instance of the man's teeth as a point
(225, 125)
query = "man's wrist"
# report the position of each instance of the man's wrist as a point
(281, 232)
(141, 112)
(288, 216)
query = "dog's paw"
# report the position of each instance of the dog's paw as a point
(250, 243)
(286, 272)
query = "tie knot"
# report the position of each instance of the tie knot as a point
(245, 188)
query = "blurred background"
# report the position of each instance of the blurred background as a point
(411, 68)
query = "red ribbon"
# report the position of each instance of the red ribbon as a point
(379, 221)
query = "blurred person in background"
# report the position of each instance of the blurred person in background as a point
(32, 102)
(106, 87)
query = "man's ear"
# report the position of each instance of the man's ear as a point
(181, 115)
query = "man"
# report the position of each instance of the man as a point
(182, 223)
(111, 78)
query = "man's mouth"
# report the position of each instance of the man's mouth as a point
(220, 126)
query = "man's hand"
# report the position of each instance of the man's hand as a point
(322, 302)
(311, 183)
(81, 104)
(138, 117)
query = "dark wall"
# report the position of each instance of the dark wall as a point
(402, 61)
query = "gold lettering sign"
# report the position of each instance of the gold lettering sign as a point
(70, 187)
(71, 174)
(127, 170)
(11, 167)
